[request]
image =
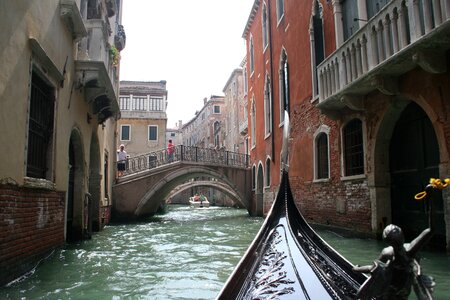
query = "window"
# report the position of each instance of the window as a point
(105, 174)
(317, 44)
(252, 62)
(245, 80)
(353, 148)
(172, 134)
(253, 178)
(216, 127)
(284, 86)
(265, 36)
(280, 9)
(374, 6)
(40, 130)
(321, 151)
(350, 17)
(253, 122)
(152, 133)
(125, 132)
(267, 172)
(267, 107)
(216, 109)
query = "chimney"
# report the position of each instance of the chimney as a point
(205, 100)
(180, 124)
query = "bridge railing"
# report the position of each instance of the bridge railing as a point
(184, 153)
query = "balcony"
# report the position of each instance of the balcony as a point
(399, 38)
(72, 18)
(95, 71)
(243, 127)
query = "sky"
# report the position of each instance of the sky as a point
(194, 45)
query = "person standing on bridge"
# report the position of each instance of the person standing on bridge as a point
(121, 160)
(170, 150)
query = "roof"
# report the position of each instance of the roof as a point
(251, 17)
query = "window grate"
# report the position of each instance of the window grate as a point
(322, 156)
(353, 148)
(40, 127)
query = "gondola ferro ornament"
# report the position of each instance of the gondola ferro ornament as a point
(397, 271)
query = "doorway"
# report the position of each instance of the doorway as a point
(414, 159)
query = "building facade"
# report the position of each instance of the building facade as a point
(236, 112)
(143, 121)
(365, 85)
(175, 134)
(206, 129)
(58, 89)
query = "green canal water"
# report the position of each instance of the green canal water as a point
(183, 254)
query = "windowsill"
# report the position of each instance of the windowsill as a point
(281, 124)
(267, 136)
(265, 47)
(39, 183)
(267, 187)
(321, 180)
(353, 177)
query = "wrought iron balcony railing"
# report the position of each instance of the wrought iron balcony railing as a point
(404, 34)
(185, 153)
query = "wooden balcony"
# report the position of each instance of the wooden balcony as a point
(402, 36)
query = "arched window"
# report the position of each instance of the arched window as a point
(252, 63)
(267, 107)
(217, 128)
(265, 36)
(322, 156)
(353, 148)
(267, 181)
(253, 178)
(284, 85)
(280, 9)
(253, 123)
(317, 43)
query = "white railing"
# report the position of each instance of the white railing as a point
(397, 25)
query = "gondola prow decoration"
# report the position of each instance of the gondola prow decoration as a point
(396, 271)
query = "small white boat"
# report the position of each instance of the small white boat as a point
(198, 201)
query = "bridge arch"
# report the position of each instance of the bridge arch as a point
(156, 195)
(213, 184)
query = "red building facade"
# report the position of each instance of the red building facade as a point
(367, 88)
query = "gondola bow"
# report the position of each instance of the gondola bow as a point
(289, 260)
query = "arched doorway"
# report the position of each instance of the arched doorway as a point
(260, 192)
(75, 194)
(414, 159)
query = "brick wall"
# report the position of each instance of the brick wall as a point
(31, 226)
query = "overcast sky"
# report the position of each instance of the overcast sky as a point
(193, 45)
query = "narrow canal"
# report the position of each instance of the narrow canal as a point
(183, 254)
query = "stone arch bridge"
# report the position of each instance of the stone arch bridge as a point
(152, 178)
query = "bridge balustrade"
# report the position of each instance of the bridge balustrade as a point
(185, 153)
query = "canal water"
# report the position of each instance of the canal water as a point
(183, 254)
